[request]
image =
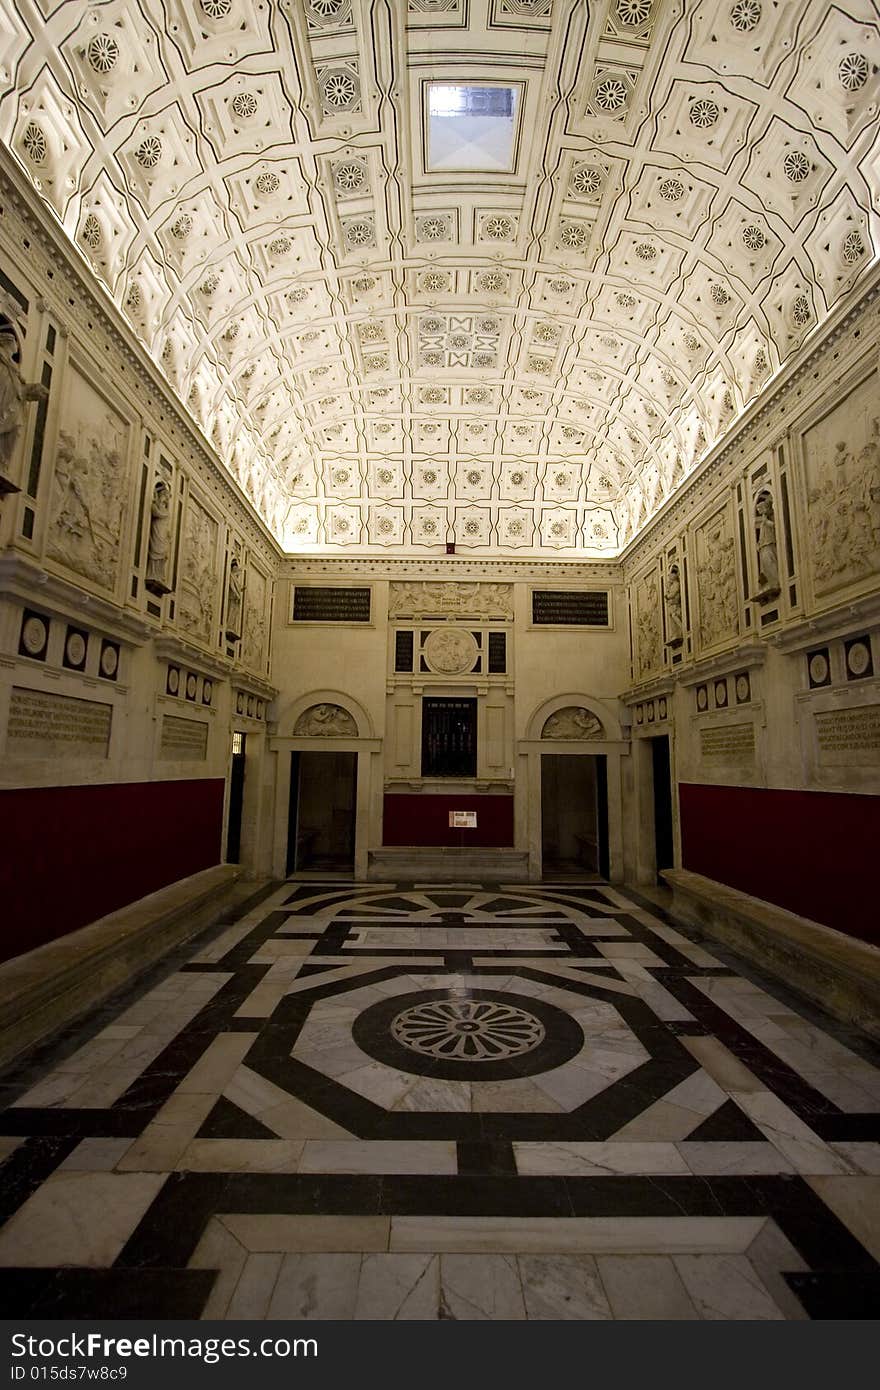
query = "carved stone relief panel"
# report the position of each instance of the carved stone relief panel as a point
(451, 651)
(716, 578)
(647, 633)
(325, 721)
(842, 468)
(441, 599)
(90, 488)
(198, 575)
(254, 640)
(573, 722)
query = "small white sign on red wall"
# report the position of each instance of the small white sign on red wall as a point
(462, 820)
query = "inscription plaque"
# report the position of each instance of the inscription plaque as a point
(569, 607)
(316, 605)
(731, 743)
(849, 736)
(42, 725)
(184, 739)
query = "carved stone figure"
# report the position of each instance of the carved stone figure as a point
(90, 486)
(648, 625)
(14, 393)
(159, 540)
(442, 598)
(716, 580)
(768, 555)
(253, 638)
(842, 461)
(573, 722)
(451, 651)
(197, 589)
(674, 621)
(325, 721)
(233, 601)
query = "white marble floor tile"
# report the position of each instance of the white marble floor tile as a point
(379, 1156)
(480, 1288)
(563, 1288)
(241, 1156)
(575, 1234)
(253, 1292)
(321, 1287)
(800, 1144)
(772, 1255)
(77, 1219)
(715, 1159)
(862, 1155)
(856, 1200)
(645, 1288)
(218, 1250)
(309, 1234)
(95, 1155)
(593, 1158)
(727, 1287)
(398, 1288)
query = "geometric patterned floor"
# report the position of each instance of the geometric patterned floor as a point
(445, 1101)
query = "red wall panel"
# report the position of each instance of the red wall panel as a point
(812, 852)
(424, 820)
(71, 854)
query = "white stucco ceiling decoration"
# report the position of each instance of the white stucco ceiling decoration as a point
(388, 354)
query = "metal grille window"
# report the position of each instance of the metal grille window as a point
(449, 738)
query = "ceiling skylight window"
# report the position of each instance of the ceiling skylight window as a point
(471, 128)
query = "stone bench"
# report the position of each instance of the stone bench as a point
(49, 987)
(837, 972)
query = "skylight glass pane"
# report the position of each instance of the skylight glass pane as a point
(471, 128)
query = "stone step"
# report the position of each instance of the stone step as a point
(406, 863)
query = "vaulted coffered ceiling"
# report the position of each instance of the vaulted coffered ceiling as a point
(522, 330)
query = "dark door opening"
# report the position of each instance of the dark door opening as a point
(323, 812)
(662, 802)
(574, 814)
(236, 799)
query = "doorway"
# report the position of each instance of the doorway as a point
(574, 815)
(662, 769)
(236, 799)
(323, 812)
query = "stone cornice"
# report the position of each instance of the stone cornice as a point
(24, 579)
(860, 613)
(175, 649)
(442, 567)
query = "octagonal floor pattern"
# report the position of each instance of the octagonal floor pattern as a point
(445, 1101)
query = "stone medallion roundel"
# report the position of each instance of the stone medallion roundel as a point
(451, 651)
(468, 1030)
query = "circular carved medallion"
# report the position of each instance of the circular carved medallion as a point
(742, 689)
(34, 635)
(173, 680)
(858, 658)
(75, 648)
(451, 651)
(191, 686)
(468, 1030)
(818, 668)
(109, 661)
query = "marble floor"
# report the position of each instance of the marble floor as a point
(445, 1101)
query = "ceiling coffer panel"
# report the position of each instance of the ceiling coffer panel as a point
(500, 276)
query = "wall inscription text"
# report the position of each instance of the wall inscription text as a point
(42, 725)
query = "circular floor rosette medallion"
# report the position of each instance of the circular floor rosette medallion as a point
(481, 1035)
(468, 1030)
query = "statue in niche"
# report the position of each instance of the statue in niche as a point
(233, 602)
(573, 722)
(159, 541)
(674, 622)
(325, 721)
(768, 554)
(14, 394)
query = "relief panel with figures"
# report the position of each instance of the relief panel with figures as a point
(254, 637)
(198, 575)
(842, 477)
(716, 578)
(648, 636)
(90, 489)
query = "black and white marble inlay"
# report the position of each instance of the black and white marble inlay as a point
(395, 1100)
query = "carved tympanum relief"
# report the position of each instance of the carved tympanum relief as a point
(647, 624)
(90, 488)
(842, 460)
(448, 599)
(451, 651)
(198, 578)
(716, 579)
(573, 722)
(325, 721)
